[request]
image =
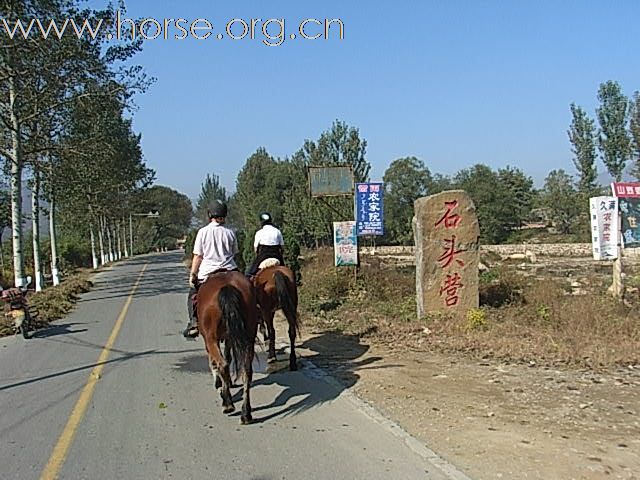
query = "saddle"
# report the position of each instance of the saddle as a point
(268, 263)
(222, 270)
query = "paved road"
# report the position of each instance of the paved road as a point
(146, 408)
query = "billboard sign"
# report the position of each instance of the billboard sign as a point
(628, 194)
(370, 208)
(331, 181)
(626, 189)
(604, 227)
(345, 244)
(630, 213)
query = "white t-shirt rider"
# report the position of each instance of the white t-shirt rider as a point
(269, 236)
(217, 245)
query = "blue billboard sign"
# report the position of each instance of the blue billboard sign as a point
(369, 209)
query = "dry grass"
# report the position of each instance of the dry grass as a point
(519, 321)
(53, 303)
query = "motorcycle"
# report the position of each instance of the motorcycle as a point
(16, 309)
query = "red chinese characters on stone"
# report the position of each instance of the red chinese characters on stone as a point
(453, 282)
(450, 253)
(450, 219)
(451, 285)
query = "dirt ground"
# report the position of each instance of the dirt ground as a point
(493, 419)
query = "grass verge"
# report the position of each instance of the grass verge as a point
(53, 303)
(520, 320)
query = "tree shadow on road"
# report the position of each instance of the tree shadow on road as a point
(165, 274)
(125, 357)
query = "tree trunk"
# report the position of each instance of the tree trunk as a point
(103, 257)
(109, 242)
(1, 254)
(35, 226)
(123, 229)
(54, 242)
(94, 256)
(117, 233)
(16, 189)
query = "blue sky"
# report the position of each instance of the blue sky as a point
(451, 82)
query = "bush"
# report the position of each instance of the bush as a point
(476, 319)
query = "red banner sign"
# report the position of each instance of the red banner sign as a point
(626, 189)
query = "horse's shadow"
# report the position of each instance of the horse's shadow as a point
(338, 359)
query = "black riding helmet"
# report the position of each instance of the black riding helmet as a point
(265, 219)
(217, 209)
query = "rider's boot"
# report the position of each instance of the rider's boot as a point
(192, 327)
(191, 331)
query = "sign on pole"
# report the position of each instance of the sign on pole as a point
(331, 181)
(345, 243)
(628, 194)
(604, 227)
(369, 208)
(626, 189)
(630, 211)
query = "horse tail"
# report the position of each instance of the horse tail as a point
(287, 301)
(230, 302)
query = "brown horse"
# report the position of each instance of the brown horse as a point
(227, 312)
(276, 288)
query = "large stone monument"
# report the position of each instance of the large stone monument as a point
(446, 234)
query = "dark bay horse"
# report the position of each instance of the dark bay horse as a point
(227, 312)
(276, 289)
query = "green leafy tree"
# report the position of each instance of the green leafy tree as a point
(582, 135)
(211, 190)
(173, 223)
(406, 180)
(561, 200)
(40, 78)
(634, 130)
(292, 251)
(340, 145)
(519, 194)
(101, 169)
(440, 183)
(251, 196)
(492, 200)
(613, 139)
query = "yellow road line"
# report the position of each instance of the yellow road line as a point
(61, 449)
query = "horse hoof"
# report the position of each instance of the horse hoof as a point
(293, 367)
(229, 409)
(246, 420)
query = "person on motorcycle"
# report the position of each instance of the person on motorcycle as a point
(214, 250)
(267, 243)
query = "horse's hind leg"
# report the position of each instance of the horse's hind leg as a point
(261, 325)
(271, 356)
(228, 357)
(247, 378)
(293, 365)
(220, 370)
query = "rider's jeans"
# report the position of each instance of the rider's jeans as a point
(190, 309)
